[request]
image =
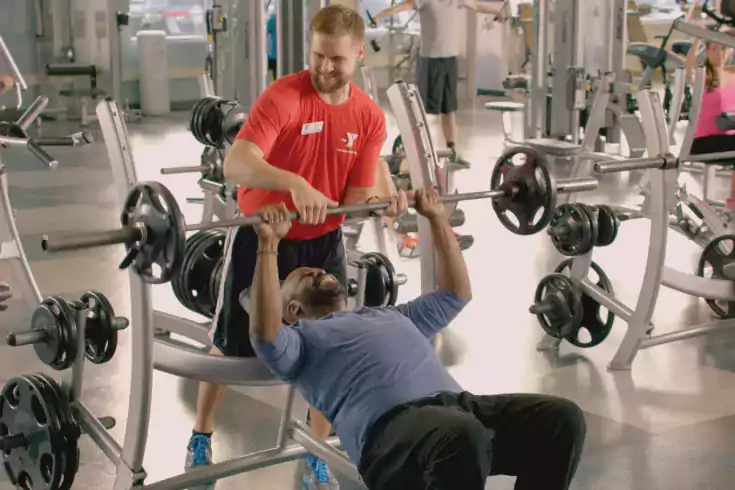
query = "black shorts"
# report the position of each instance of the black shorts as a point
(436, 79)
(457, 440)
(273, 68)
(231, 334)
(716, 143)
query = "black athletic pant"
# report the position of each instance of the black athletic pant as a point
(454, 441)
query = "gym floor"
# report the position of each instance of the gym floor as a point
(669, 423)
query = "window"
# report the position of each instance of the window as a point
(177, 18)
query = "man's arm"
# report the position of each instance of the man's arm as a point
(245, 165)
(433, 311)
(395, 9)
(484, 8)
(279, 347)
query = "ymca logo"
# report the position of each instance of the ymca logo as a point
(350, 140)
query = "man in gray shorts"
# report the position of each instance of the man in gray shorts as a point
(442, 36)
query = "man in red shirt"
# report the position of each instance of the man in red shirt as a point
(312, 140)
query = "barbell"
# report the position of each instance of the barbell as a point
(153, 228)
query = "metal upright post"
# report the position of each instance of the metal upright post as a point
(536, 122)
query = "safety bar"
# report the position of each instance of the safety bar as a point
(211, 186)
(664, 162)
(704, 33)
(185, 170)
(34, 145)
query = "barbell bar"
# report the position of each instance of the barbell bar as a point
(154, 230)
(662, 162)
(78, 241)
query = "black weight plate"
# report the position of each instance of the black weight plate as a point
(204, 261)
(591, 213)
(606, 227)
(26, 409)
(524, 174)
(567, 316)
(100, 334)
(390, 277)
(191, 283)
(195, 121)
(49, 352)
(159, 257)
(597, 327)
(376, 289)
(69, 429)
(397, 149)
(574, 222)
(63, 334)
(181, 278)
(715, 256)
(70, 319)
(233, 121)
(216, 281)
(616, 221)
(57, 415)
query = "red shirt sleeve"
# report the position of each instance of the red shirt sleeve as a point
(363, 171)
(271, 112)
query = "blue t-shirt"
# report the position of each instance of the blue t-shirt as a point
(354, 366)
(270, 29)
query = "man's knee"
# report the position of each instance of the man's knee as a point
(467, 450)
(568, 419)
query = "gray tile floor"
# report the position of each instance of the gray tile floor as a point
(669, 423)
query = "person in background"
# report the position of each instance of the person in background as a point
(5, 295)
(271, 33)
(438, 65)
(6, 83)
(718, 97)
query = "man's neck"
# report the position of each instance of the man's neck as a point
(337, 97)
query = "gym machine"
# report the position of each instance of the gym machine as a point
(15, 135)
(581, 298)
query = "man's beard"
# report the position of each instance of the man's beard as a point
(319, 296)
(329, 84)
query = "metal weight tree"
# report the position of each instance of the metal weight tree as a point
(662, 166)
(14, 135)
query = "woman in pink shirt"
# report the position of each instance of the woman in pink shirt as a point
(719, 97)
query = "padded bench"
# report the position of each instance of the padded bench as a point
(83, 95)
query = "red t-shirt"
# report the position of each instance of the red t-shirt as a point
(332, 147)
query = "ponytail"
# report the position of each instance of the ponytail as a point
(712, 76)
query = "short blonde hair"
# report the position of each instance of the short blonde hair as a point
(338, 20)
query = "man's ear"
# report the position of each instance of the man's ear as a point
(294, 310)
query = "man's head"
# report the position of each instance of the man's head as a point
(337, 35)
(311, 293)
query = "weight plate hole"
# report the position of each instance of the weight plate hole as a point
(584, 336)
(38, 412)
(518, 159)
(540, 179)
(603, 314)
(539, 214)
(725, 247)
(12, 395)
(47, 467)
(24, 481)
(156, 271)
(707, 271)
(512, 219)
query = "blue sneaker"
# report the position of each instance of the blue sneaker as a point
(317, 475)
(199, 453)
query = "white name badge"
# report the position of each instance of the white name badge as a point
(313, 127)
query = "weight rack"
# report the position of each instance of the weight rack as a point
(663, 170)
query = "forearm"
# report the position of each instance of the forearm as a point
(452, 274)
(252, 171)
(391, 11)
(266, 307)
(483, 8)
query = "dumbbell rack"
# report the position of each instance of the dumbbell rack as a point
(662, 187)
(13, 135)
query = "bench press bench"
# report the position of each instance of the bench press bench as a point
(83, 94)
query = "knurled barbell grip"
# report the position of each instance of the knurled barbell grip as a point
(59, 243)
(26, 337)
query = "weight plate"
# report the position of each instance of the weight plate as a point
(607, 226)
(563, 296)
(376, 289)
(69, 429)
(161, 252)
(397, 149)
(27, 409)
(597, 327)
(525, 176)
(50, 351)
(716, 256)
(69, 318)
(60, 333)
(177, 283)
(192, 284)
(202, 265)
(592, 215)
(193, 243)
(232, 122)
(100, 333)
(570, 230)
(388, 280)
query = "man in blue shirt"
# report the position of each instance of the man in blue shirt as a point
(403, 420)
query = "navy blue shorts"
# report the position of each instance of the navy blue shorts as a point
(436, 79)
(231, 334)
